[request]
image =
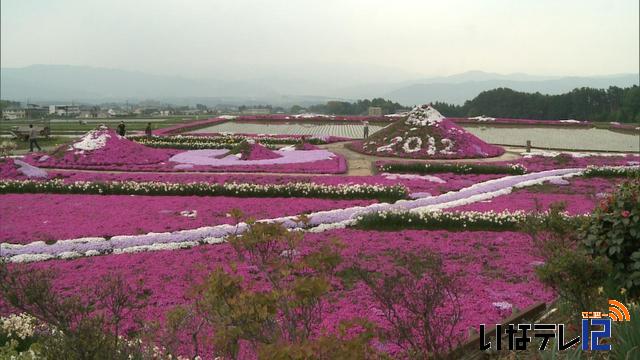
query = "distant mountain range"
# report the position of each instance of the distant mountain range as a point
(65, 83)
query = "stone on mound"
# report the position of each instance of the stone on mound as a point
(426, 134)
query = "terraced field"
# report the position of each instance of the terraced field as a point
(354, 131)
(558, 138)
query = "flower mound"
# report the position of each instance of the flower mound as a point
(102, 147)
(256, 151)
(426, 134)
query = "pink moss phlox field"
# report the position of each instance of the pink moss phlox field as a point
(580, 196)
(34, 217)
(493, 267)
(477, 192)
(335, 165)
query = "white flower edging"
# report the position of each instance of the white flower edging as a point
(321, 221)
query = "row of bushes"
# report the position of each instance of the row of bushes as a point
(394, 220)
(422, 168)
(218, 142)
(612, 171)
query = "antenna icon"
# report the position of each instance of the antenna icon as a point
(617, 311)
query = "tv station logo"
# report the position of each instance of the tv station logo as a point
(595, 328)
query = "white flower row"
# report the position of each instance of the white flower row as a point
(575, 154)
(304, 189)
(465, 218)
(611, 170)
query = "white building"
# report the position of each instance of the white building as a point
(375, 111)
(12, 113)
(64, 110)
(256, 111)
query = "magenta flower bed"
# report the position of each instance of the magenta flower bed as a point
(494, 267)
(580, 195)
(336, 165)
(33, 217)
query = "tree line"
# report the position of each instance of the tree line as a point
(612, 104)
(360, 107)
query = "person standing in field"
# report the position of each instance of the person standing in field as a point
(121, 129)
(33, 138)
(366, 129)
(147, 131)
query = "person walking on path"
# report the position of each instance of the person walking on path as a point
(147, 131)
(33, 136)
(366, 129)
(121, 129)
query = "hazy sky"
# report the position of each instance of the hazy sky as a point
(194, 37)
